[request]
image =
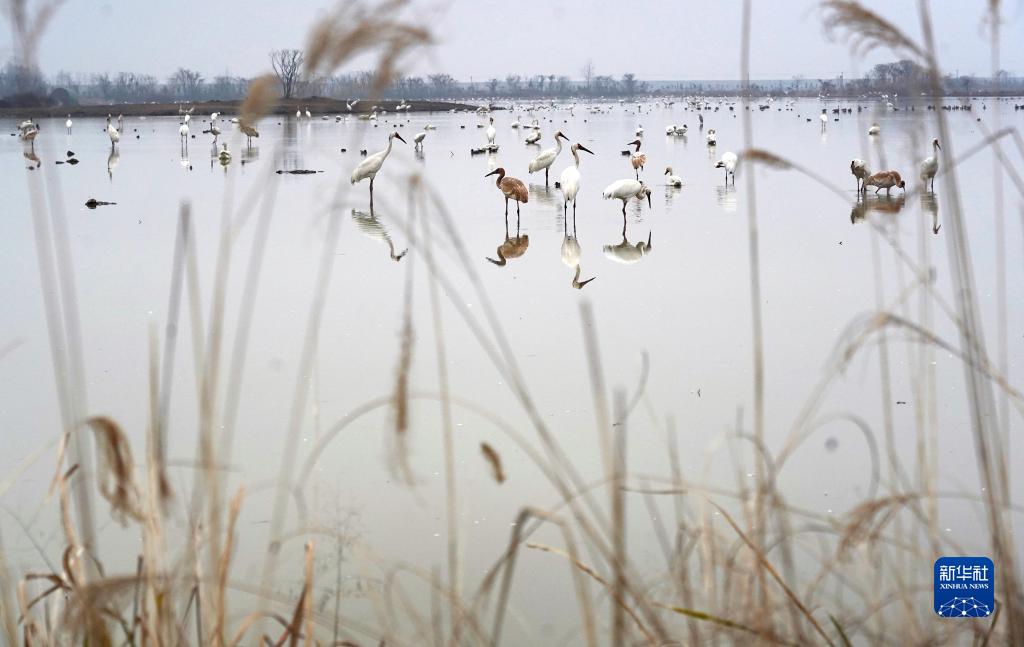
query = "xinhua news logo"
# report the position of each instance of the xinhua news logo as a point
(964, 587)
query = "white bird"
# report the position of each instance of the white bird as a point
(369, 167)
(533, 137)
(712, 137)
(214, 116)
(188, 118)
(639, 131)
(673, 180)
(670, 129)
(547, 157)
(728, 162)
(113, 133)
(681, 131)
(430, 127)
(298, 114)
(570, 179)
(930, 166)
(514, 124)
(874, 129)
(860, 170)
(67, 124)
(626, 189)
(824, 119)
(351, 105)
(182, 131)
(491, 132)
(308, 114)
(418, 139)
(215, 131)
(120, 124)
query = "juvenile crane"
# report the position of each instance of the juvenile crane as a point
(512, 188)
(637, 159)
(885, 180)
(860, 170)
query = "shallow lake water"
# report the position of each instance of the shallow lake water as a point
(826, 261)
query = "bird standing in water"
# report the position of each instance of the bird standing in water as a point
(512, 188)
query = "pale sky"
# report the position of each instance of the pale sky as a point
(654, 39)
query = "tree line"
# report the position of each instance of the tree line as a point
(24, 86)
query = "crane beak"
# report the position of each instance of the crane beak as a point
(399, 137)
(584, 148)
(491, 173)
(938, 145)
(562, 136)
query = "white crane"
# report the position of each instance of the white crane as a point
(418, 139)
(547, 157)
(491, 132)
(67, 124)
(625, 190)
(930, 166)
(728, 162)
(824, 119)
(370, 166)
(570, 179)
(113, 133)
(182, 132)
(309, 115)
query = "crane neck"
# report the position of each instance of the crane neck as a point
(501, 176)
(576, 156)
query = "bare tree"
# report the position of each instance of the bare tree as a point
(588, 74)
(287, 65)
(186, 83)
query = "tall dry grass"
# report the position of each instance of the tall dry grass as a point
(740, 563)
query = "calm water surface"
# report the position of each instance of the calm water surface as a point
(684, 301)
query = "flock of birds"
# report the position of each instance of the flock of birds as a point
(512, 188)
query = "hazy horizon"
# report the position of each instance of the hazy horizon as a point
(549, 37)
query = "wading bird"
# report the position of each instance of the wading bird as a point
(115, 136)
(490, 132)
(369, 167)
(673, 180)
(533, 137)
(28, 133)
(728, 162)
(930, 166)
(182, 131)
(626, 189)
(712, 137)
(885, 180)
(874, 129)
(570, 179)
(637, 159)
(67, 124)
(249, 132)
(824, 119)
(512, 188)
(418, 139)
(547, 157)
(860, 170)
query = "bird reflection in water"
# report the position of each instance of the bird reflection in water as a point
(626, 252)
(545, 195)
(571, 254)
(886, 204)
(112, 161)
(930, 205)
(725, 196)
(512, 247)
(369, 224)
(32, 158)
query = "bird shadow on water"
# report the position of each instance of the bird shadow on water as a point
(726, 198)
(511, 247)
(371, 225)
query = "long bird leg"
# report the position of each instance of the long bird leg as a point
(545, 178)
(517, 210)
(506, 209)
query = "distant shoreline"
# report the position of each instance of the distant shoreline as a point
(318, 106)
